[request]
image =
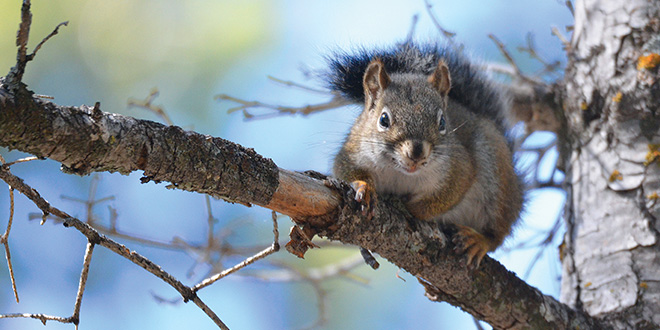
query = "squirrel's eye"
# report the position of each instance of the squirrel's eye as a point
(442, 125)
(384, 120)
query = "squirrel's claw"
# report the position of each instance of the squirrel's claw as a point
(361, 191)
(364, 196)
(474, 244)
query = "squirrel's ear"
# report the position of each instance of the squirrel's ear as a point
(440, 79)
(375, 81)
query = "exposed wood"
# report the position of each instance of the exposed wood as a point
(299, 195)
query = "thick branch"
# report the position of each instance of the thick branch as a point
(84, 140)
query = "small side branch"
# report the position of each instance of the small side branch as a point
(4, 238)
(335, 102)
(512, 62)
(94, 237)
(266, 252)
(447, 34)
(87, 260)
(55, 31)
(15, 76)
(148, 105)
(41, 317)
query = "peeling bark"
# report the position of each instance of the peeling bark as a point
(612, 252)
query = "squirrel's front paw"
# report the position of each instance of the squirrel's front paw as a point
(365, 196)
(472, 243)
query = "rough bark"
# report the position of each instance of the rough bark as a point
(611, 251)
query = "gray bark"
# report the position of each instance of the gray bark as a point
(611, 251)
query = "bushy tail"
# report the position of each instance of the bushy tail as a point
(469, 85)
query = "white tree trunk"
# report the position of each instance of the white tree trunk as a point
(611, 252)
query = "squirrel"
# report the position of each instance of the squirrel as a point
(432, 133)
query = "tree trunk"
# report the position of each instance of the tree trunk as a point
(610, 253)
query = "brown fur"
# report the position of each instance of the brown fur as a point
(467, 179)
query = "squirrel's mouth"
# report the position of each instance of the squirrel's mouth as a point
(411, 167)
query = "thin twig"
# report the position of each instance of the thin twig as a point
(5, 241)
(41, 317)
(264, 253)
(314, 277)
(4, 238)
(148, 105)
(446, 33)
(550, 235)
(569, 5)
(87, 260)
(509, 58)
(55, 31)
(564, 41)
(333, 103)
(413, 26)
(531, 50)
(22, 160)
(11, 271)
(289, 83)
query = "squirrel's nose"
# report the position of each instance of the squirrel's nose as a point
(415, 150)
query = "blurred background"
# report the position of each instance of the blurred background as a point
(190, 51)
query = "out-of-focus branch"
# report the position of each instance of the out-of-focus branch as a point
(333, 103)
(148, 105)
(446, 33)
(266, 252)
(532, 101)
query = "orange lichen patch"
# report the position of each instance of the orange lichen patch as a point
(562, 251)
(648, 62)
(588, 284)
(583, 105)
(616, 175)
(654, 196)
(653, 154)
(617, 98)
(643, 285)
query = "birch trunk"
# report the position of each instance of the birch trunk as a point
(610, 254)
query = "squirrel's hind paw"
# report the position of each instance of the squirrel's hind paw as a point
(473, 244)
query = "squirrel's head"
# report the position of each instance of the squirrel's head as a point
(404, 122)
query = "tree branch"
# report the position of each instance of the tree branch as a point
(86, 141)
(94, 237)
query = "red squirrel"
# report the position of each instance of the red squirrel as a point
(432, 133)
